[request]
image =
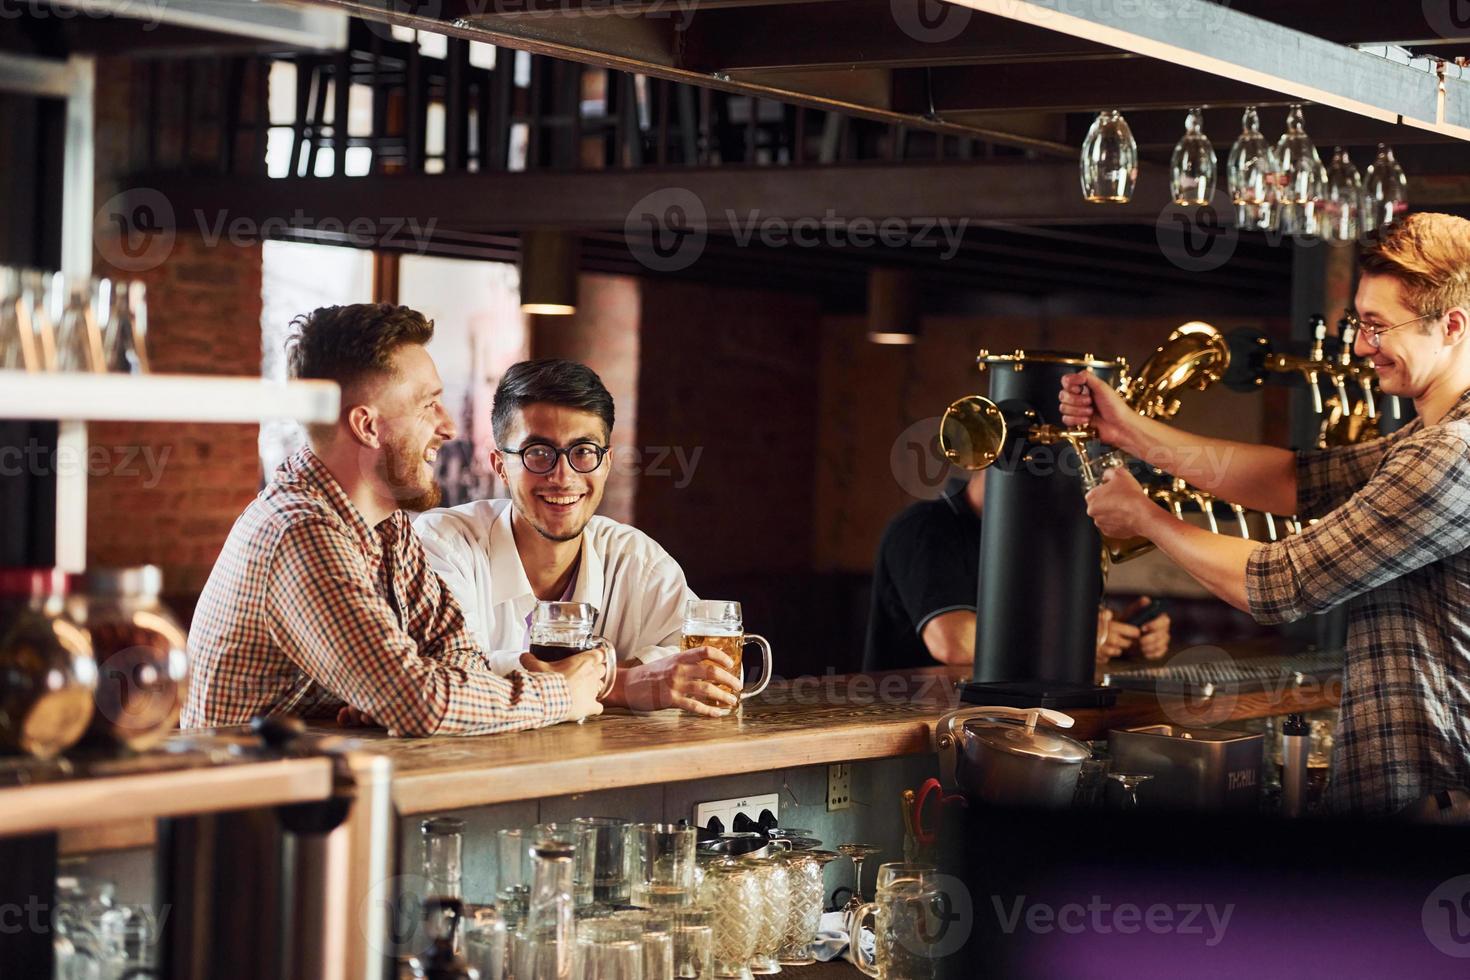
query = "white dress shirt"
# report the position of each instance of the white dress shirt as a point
(638, 589)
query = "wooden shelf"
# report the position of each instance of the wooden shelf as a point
(163, 398)
(75, 803)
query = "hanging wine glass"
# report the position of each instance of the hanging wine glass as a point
(1301, 172)
(122, 319)
(36, 291)
(1252, 173)
(78, 342)
(17, 340)
(1385, 190)
(1109, 160)
(1342, 204)
(1192, 168)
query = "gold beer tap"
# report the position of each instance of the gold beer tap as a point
(1205, 502)
(1360, 371)
(1310, 367)
(1245, 528)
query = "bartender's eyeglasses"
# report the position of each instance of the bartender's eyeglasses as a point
(1371, 331)
(540, 458)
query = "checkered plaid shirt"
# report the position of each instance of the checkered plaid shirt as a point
(1393, 542)
(309, 609)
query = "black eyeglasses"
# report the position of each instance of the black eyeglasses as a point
(540, 458)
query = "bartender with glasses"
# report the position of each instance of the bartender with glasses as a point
(1390, 531)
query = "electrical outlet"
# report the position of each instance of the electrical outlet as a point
(839, 787)
(725, 810)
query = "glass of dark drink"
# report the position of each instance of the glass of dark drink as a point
(562, 629)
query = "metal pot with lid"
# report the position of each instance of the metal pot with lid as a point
(998, 755)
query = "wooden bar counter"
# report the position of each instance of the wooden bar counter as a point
(801, 722)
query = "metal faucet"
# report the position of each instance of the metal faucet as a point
(1205, 502)
(1309, 367)
(1360, 371)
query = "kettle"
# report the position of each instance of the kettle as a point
(999, 756)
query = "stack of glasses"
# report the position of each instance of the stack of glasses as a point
(599, 898)
(49, 324)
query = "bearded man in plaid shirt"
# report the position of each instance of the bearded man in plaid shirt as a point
(1391, 531)
(321, 603)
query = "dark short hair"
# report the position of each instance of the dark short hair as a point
(346, 343)
(552, 381)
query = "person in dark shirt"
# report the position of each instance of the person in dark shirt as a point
(926, 579)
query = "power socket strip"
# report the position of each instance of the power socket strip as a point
(726, 810)
(839, 787)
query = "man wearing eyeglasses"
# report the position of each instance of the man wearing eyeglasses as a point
(1391, 522)
(553, 420)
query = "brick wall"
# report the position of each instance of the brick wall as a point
(168, 494)
(604, 335)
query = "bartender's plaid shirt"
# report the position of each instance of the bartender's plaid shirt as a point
(309, 609)
(1392, 543)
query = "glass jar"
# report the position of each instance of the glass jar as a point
(545, 945)
(142, 657)
(775, 905)
(732, 893)
(807, 882)
(47, 673)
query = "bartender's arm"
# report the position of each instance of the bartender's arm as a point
(950, 636)
(1261, 478)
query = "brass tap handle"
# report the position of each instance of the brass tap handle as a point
(1310, 373)
(1319, 338)
(1270, 525)
(1339, 381)
(1365, 382)
(1245, 528)
(1347, 334)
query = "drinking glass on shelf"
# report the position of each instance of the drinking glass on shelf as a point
(718, 623)
(582, 839)
(906, 925)
(605, 840)
(1301, 170)
(513, 874)
(891, 872)
(694, 943)
(1127, 783)
(657, 934)
(486, 941)
(858, 853)
(609, 949)
(661, 861)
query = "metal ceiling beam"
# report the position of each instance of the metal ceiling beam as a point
(867, 34)
(652, 45)
(1138, 83)
(1214, 38)
(1156, 129)
(1007, 191)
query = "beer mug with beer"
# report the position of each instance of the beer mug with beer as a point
(717, 623)
(561, 629)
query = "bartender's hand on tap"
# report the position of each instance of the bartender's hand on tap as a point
(698, 680)
(585, 674)
(1120, 508)
(1087, 400)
